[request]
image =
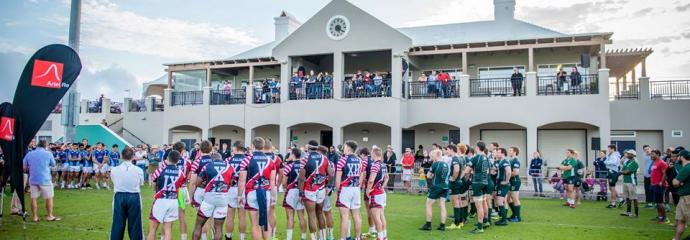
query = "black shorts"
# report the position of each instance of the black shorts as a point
(613, 178)
(577, 181)
(658, 194)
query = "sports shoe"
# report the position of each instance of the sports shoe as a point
(487, 225)
(477, 231)
(625, 214)
(425, 227)
(515, 219)
(441, 227)
(572, 205)
(610, 206)
(452, 226)
(649, 205)
(495, 217)
(634, 216)
(501, 223)
(98, 186)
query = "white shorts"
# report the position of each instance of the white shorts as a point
(87, 169)
(55, 168)
(44, 191)
(317, 196)
(75, 169)
(64, 168)
(252, 202)
(104, 169)
(164, 210)
(198, 197)
(274, 196)
(378, 201)
(407, 175)
(215, 209)
(233, 202)
(349, 197)
(292, 200)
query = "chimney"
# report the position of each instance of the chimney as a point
(284, 25)
(504, 10)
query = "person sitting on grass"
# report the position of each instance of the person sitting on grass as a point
(438, 190)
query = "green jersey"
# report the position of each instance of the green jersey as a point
(459, 162)
(684, 177)
(480, 166)
(441, 172)
(494, 170)
(502, 174)
(514, 165)
(569, 162)
(630, 165)
(580, 169)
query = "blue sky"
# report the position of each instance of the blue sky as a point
(125, 42)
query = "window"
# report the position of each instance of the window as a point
(499, 72)
(193, 80)
(47, 126)
(677, 133)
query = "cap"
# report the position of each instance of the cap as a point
(630, 151)
(684, 154)
(678, 149)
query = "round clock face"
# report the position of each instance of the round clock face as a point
(338, 27)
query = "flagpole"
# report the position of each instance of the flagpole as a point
(70, 104)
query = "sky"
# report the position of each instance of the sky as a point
(125, 42)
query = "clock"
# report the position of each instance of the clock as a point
(338, 27)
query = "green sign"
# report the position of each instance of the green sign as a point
(444, 138)
(295, 138)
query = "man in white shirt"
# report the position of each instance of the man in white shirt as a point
(127, 180)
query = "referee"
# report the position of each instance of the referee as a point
(127, 178)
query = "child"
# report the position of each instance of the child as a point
(422, 180)
(557, 182)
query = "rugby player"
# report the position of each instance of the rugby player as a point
(201, 159)
(312, 183)
(86, 166)
(292, 201)
(164, 209)
(479, 166)
(365, 155)
(438, 189)
(568, 167)
(327, 206)
(514, 194)
(238, 155)
(378, 177)
(215, 179)
(184, 164)
(99, 159)
(347, 186)
(269, 150)
(503, 184)
(257, 176)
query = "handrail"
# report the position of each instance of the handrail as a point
(135, 136)
(115, 122)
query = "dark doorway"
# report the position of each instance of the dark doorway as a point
(621, 146)
(454, 136)
(226, 141)
(189, 143)
(327, 138)
(408, 139)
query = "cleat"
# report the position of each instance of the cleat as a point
(441, 228)
(424, 228)
(477, 231)
(625, 214)
(452, 226)
(501, 223)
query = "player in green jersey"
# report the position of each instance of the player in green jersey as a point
(438, 189)
(568, 167)
(503, 182)
(455, 184)
(514, 194)
(479, 167)
(629, 173)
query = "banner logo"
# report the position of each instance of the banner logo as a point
(47, 74)
(7, 128)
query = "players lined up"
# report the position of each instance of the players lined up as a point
(247, 183)
(77, 163)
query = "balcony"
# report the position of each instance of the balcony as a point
(496, 87)
(93, 106)
(367, 89)
(266, 95)
(316, 90)
(621, 91)
(227, 97)
(568, 85)
(426, 90)
(186, 98)
(137, 105)
(669, 90)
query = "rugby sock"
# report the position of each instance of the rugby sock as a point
(330, 232)
(503, 212)
(289, 234)
(463, 214)
(456, 216)
(313, 236)
(627, 205)
(512, 210)
(228, 236)
(322, 233)
(274, 232)
(636, 207)
(243, 236)
(203, 236)
(373, 230)
(381, 236)
(183, 236)
(517, 211)
(473, 209)
(385, 233)
(303, 236)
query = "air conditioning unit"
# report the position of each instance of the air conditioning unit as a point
(623, 134)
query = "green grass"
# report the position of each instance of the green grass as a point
(87, 215)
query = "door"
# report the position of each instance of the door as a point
(454, 136)
(621, 146)
(226, 141)
(408, 139)
(327, 138)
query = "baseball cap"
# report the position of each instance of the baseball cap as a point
(678, 149)
(684, 154)
(630, 151)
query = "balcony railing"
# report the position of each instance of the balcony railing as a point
(368, 89)
(137, 105)
(116, 107)
(669, 90)
(496, 87)
(266, 95)
(227, 97)
(621, 91)
(93, 107)
(422, 90)
(569, 85)
(157, 104)
(186, 98)
(317, 90)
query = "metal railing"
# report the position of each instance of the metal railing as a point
(186, 98)
(621, 91)
(137, 105)
(227, 97)
(669, 90)
(422, 90)
(266, 95)
(93, 107)
(157, 105)
(568, 85)
(317, 90)
(116, 107)
(496, 87)
(367, 89)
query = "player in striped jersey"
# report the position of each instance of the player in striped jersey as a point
(184, 164)
(347, 185)
(215, 178)
(238, 156)
(292, 201)
(365, 155)
(327, 206)
(312, 183)
(257, 176)
(269, 150)
(201, 158)
(164, 209)
(378, 177)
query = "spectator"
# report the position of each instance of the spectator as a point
(557, 183)
(516, 82)
(408, 168)
(390, 159)
(561, 79)
(419, 155)
(422, 84)
(37, 163)
(327, 85)
(127, 181)
(535, 171)
(575, 80)
(140, 158)
(431, 83)
(104, 122)
(682, 182)
(155, 156)
(443, 79)
(225, 151)
(646, 171)
(671, 194)
(601, 175)
(658, 185)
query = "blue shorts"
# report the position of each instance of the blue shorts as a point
(658, 194)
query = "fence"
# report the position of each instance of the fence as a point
(367, 89)
(568, 85)
(266, 95)
(669, 90)
(116, 107)
(157, 104)
(425, 90)
(227, 97)
(623, 91)
(496, 87)
(137, 105)
(93, 107)
(187, 98)
(316, 90)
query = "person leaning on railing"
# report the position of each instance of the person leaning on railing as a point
(516, 82)
(561, 79)
(575, 80)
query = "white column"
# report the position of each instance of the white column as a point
(464, 87)
(645, 93)
(338, 74)
(602, 56)
(126, 104)
(204, 134)
(84, 106)
(285, 76)
(465, 135)
(208, 77)
(148, 103)
(605, 134)
(337, 135)
(249, 94)
(530, 59)
(464, 63)
(284, 141)
(167, 95)
(531, 85)
(248, 135)
(206, 95)
(396, 72)
(531, 140)
(396, 138)
(105, 106)
(604, 82)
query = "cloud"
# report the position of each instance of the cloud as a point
(106, 25)
(642, 12)
(7, 47)
(578, 17)
(683, 8)
(111, 81)
(11, 66)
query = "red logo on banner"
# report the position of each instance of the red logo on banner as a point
(47, 74)
(7, 128)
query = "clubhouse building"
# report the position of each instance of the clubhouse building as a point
(255, 92)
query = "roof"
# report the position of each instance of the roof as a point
(472, 32)
(263, 51)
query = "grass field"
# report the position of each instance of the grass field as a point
(87, 215)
